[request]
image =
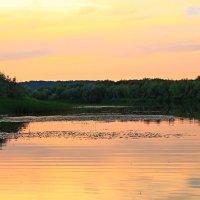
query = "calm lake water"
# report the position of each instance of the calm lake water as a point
(97, 160)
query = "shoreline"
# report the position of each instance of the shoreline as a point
(90, 117)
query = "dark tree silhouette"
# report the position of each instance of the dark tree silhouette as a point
(198, 78)
(108, 91)
(9, 87)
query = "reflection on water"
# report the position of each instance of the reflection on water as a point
(2, 142)
(182, 110)
(86, 168)
(9, 127)
(12, 127)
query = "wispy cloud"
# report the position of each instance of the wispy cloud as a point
(22, 55)
(134, 51)
(124, 12)
(194, 182)
(193, 11)
(86, 10)
(173, 48)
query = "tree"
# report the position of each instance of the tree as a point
(198, 78)
(9, 87)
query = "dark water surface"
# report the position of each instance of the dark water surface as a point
(87, 160)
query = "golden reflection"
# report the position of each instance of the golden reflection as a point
(59, 168)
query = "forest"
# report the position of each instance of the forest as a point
(156, 90)
(19, 98)
(97, 92)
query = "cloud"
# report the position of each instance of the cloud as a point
(22, 55)
(132, 51)
(193, 11)
(194, 182)
(124, 12)
(86, 10)
(172, 48)
(185, 47)
(179, 196)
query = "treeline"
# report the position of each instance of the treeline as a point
(9, 87)
(38, 84)
(156, 90)
(108, 92)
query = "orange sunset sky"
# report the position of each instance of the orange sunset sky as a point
(99, 39)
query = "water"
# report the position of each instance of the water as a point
(121, 160)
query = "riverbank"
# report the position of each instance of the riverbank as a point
(89, 117)
(29, 106)
(33, 107)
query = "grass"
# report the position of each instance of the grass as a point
(28, 106)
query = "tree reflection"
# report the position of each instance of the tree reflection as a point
(12, 127)
(9, 128)
(2, 142)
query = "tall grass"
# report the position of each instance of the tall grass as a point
(30, 106)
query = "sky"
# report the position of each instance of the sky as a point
(99, 39)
